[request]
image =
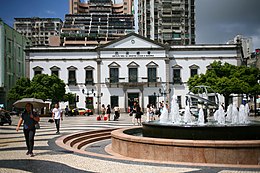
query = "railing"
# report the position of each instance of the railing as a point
(132, 82)
(177, 80)
(72, 82)
(89, 82)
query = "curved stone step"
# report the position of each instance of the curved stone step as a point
(82, 145)
(73, 136)
(78, 140)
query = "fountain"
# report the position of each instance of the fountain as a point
(175, 118)
(201, 119)
(234, 115)
(164, 116)
(221, 115)
(187, 115)
(229, 112)
(231, 140)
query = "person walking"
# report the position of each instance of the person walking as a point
(57, 116)
(29, 119)
(133, 112)
(139, 114)
(148, 110)
(108, 112)
(117, 113)
(103, 111)
(67, 111)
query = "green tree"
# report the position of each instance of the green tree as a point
(46, 87)
(227, 79)
(71, 99)
(20, 90)
(42, 86)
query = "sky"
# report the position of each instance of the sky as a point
(217, 21)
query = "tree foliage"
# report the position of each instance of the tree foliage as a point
(20, 90)
(42, 86)
(69, 97)
(229, 79)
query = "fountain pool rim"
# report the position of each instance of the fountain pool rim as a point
(209, 131)
(244, 152)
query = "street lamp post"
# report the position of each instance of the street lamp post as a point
(88, 94)
(160, 94)
(164, 93)
(98, 100)
(95, 95)
(156, 98)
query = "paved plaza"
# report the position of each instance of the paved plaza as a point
(49, 157)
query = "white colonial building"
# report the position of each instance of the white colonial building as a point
(128, 69)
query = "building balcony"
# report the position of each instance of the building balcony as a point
(72, 82)
(89, 82)
(177, 81)
(133, 82)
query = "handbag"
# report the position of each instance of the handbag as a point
(37, 125)
(98, 118)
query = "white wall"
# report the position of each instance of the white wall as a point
(184, 56)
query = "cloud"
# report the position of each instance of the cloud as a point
(221, 20)
(50, 12)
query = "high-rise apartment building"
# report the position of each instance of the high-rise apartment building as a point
(38, 30)
(96, 22)
(12, 60)
(167, 21)
(246, 44)
(101, 6)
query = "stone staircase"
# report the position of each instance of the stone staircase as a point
(79, 141)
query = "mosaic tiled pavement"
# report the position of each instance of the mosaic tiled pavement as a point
(52, 158)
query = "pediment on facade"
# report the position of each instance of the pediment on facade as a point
(89, 67)
(194, 66)
(37, 68)
(133, 64)
(152, 64)
(113, 64)
(132, 41)
(72, 68)
(208, 67)
(176, 66)
(55, 68)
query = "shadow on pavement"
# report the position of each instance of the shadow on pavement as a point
(38, 166)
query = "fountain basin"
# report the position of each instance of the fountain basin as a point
(209, 131)
(243, 152)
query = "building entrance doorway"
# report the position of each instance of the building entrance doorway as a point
(89, 103)
(152, 100)
(132, 97)
(114, 101)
